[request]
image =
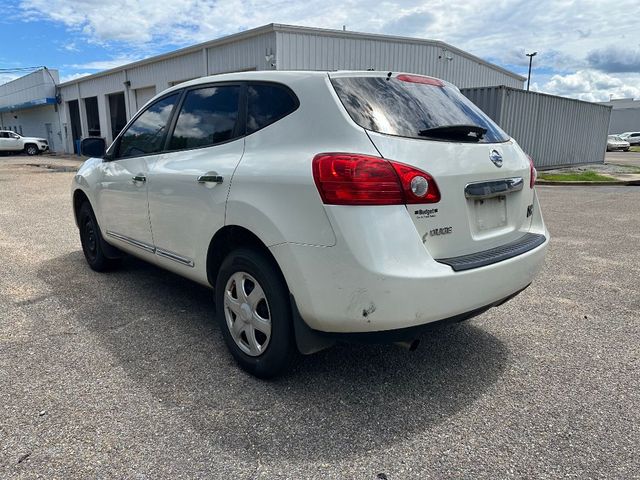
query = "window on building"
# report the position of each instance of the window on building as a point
(93, 118)
(208, 116)
(266, 104)
(148, 132)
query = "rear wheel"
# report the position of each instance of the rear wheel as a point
(254, 313)
(31, 149)
(91, 239)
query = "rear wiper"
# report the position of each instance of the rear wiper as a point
(469, 133)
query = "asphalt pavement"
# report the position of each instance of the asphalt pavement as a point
(125, 374)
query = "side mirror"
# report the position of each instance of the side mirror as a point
(93, 147)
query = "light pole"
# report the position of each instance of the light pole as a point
(530, 55)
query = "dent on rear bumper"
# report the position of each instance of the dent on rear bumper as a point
(386, 280)
(339, 296)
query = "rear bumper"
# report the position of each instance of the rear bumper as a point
(386, 280)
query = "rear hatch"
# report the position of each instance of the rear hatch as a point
(482, 174)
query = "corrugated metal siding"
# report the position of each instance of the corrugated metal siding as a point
(305, 51)
(35, 85)
(625, 120)
(247, 54)
(554, 130)
(161, 73)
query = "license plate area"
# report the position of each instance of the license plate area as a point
(490, 213)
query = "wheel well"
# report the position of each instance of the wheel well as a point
(228, 239)
(79, 197)
(30, 143)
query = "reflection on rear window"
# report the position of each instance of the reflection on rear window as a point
(409, 109)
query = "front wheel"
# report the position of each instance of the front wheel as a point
(31, 150)
(91, 240)
(254, 313)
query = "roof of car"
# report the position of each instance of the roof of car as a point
(280, 75)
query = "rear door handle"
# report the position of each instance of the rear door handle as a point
(210, 177)
(139, 178)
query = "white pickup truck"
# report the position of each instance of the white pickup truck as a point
(12, 142)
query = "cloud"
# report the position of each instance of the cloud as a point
(592, 86)
(7, 77)
(568, 36)
(71, 47)
(614, 59)
(410, 24)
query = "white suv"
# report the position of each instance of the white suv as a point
(319, 206)
(14, 143)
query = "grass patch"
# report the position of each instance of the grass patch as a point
(634, 149)
(588, 176)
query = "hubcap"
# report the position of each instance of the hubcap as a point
(247, 313)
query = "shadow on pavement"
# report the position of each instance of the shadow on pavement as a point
(349, 399)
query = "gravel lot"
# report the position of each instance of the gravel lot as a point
(124, 375)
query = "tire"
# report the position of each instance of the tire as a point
(31, 149)
(262, 350)
(91, 240)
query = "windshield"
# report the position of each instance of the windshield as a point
(416, 107)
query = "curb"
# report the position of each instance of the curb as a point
(625, 183)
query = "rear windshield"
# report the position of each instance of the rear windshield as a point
(415, 110)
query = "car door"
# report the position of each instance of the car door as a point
(122, 192)
(10, 141)
(188, 185)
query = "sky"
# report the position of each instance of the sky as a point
(586, 49)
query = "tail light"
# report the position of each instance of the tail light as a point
(353, 179)
(533, 173)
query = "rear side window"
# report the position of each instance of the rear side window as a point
(267, 104)
(418, 108)
(208, 116)
(147, 133)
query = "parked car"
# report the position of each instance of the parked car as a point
(632, 137)
(11, 142)
(614, 142)
(318, 206)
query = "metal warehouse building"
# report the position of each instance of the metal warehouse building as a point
(625, 115)
(28, 106)
(555, 131)
(101, 104)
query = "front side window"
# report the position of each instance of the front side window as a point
(416, 107)
(147, 133)
(267, 104)
(208, 116)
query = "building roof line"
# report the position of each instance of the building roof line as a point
(176, 53)
(278, 27)
(394, 38)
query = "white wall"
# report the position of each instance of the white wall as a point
(32, 122)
